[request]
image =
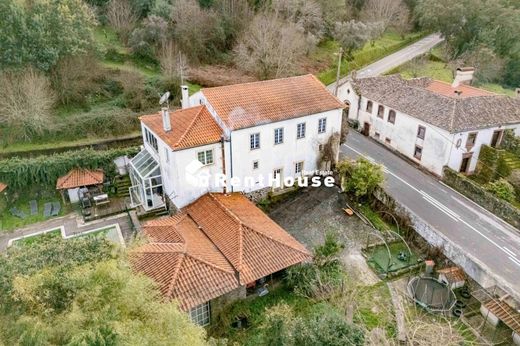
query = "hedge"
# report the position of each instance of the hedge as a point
(46, 169)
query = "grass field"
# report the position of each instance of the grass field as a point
(378, 258)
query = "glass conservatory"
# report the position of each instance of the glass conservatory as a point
(147, 188)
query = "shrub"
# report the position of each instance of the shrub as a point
(514, 180)
(148, 37)
(362, 176)
(486, 164)
(502, 189)
(26, 101)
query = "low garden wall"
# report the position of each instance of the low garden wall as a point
(478, 194)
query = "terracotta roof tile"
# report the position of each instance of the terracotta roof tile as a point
(250, 104)
(191, 127)
(217, 244)
(78, 177)
(453, 274)
(2, 187)
(454, 114)
(254, 244)
(505, 313)
(462, 91)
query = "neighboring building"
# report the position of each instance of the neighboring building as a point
(431, 122)
(260, 129)
(453, 277)
(75, 182)
(211, 250)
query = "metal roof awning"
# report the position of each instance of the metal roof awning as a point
(505, 313)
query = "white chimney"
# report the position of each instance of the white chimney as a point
(185, 101)
(463, 75)
(166, 119)
(517, 93)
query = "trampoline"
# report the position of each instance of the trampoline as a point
(431, 294)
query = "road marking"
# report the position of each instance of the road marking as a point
(509, 251)
(460, 219)
(514, 261)
(440, 206)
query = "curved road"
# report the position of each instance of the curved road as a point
(479, 233)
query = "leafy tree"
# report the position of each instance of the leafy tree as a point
(502, 189)
(73, 293)
(41, 32)
(362, 176)
(147, 39)
(352, 35)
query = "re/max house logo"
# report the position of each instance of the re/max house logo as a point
(197, 177)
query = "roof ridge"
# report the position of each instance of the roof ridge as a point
(175, 275)
(210, 264)
(240, 229)
(277, 241)
(257, 82)
(188, 129)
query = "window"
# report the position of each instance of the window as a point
(369, 106)
(254, 141)
(300, 130)
(201, 314)
(278, 135)
(495, 140)
(320, 147)
(418, 152)
(377, 135)
(472, 137)
(391, 116)
(380, 111)
(322, 125)
(421, 131)
(166, 154)
(150, 138)
(388, 140)
(205, 157)
(298, 167)
(255, 164)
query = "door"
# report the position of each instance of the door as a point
(495, 140)
(278, 174)
(465, 164)
(366, 129)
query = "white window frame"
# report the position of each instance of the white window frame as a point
(254, 141)
(201, 314)
(300, 130)
(322, 125)
(167, 154)
(151, 139)
(278, 135)
(255, 162)
(205, 160)
(298, 167)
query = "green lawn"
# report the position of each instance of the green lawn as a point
(10, 222)
(389, 43)
(378, 257)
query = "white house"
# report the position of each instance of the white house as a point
(246, 133)
(433, 123)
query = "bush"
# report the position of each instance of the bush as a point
(502, 189)
(487, 160)
(514, 180)
(361, 177)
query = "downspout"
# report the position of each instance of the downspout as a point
(231, 159)
(358, 107)
(222, 140)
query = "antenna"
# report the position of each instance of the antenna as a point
(164, 99)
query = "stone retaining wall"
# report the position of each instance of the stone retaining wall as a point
(479, 195)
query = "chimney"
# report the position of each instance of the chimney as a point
(185, 101)
(517, 93)
(463, 75)
(166, 119)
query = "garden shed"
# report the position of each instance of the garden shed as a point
(77, 180)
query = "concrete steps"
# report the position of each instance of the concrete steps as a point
(122, 184)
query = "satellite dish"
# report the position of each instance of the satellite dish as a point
(164, 98)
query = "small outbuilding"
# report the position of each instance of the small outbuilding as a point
(2, 187)
(452, 276)
(79, 180)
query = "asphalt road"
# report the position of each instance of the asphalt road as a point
(476, 231)
(396, 59)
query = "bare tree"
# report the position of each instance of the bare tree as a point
(270, 47)
(122, 17)
(26, 101)
(401, 22)
(352, 35)
(381, 11)
(173, 62)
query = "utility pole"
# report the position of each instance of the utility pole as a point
(340, 55)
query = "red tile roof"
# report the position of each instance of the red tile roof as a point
(254, 244)
(250, 104)
(2, 187)
(505, 313)
(216, 244)
(78, 177)
(462, 91)
(191, 127)
(453, 274)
